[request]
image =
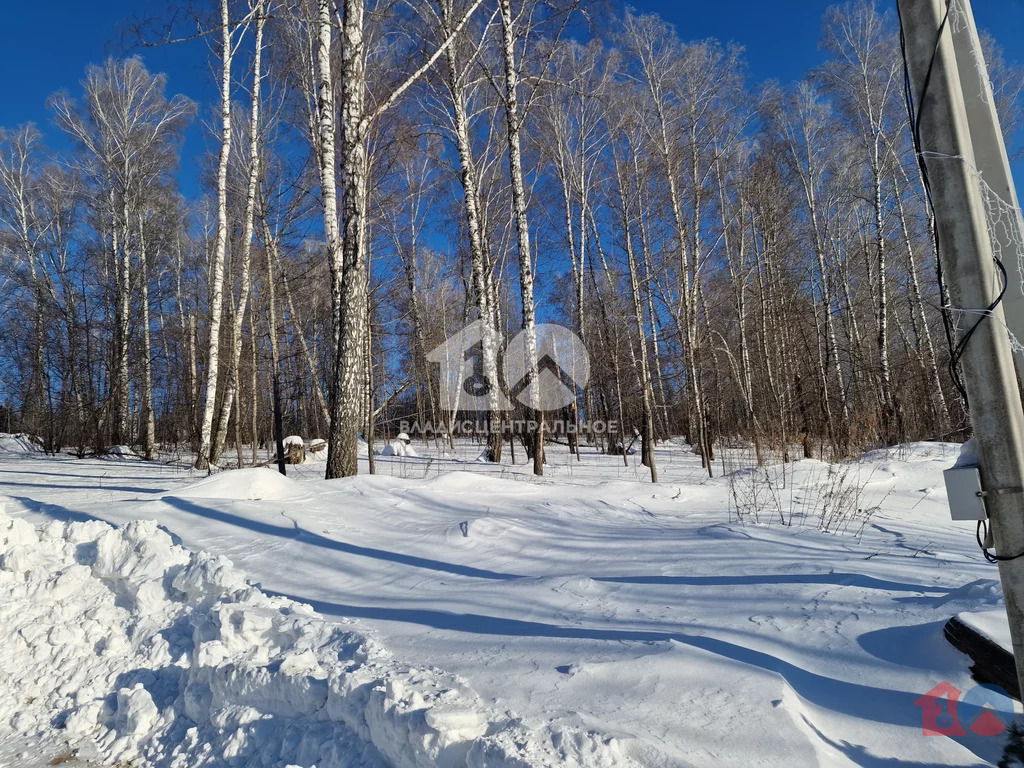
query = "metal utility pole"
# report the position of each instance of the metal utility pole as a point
(966, 255)
(990, 158)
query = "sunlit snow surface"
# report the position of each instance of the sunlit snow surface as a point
(637, 616)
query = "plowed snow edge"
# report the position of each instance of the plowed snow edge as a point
(138, 650)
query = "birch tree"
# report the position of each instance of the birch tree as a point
(260, 11)
(128, 131)
(212, 372)
(347, 249)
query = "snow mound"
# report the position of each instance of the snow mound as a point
(121, 452)
(465, 481)
(18, 443)
(919, 451)
(148, 654)
(253, 484)
(398, 447)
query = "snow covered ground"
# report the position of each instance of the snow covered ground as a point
(588, 618)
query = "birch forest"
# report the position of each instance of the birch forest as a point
(748, 263)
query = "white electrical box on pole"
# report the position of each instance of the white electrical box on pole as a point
(967, 259)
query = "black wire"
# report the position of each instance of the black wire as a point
(915, 130)
(956, 348)
(981, 533)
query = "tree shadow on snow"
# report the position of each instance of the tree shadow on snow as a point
(298, 533)
(866, 702)
(858, 754)
(834, 578)
(55, 511)
(301, 534)
(921, 646)
(93, 487)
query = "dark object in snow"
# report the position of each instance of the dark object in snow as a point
(618, 449)
(1013, 752)
(992, 663)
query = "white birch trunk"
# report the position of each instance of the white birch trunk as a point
(270, 246)
(220, 249)
(478, 252)
(148, 416)
(245, 260)
(515, 162)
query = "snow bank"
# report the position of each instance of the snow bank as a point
(918, 451)
(147, 654)
(18, 443)
(122, 452)
(252, 484)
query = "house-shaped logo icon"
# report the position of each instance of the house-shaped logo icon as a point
(464, 385)
(556, 353)
(985, 710)
(938, 711)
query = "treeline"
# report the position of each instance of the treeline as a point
(747, 263)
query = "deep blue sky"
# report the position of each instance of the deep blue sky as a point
(47, 45)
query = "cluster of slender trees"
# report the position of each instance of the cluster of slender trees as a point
(747, 263)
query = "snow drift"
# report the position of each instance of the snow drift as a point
(142, 651)
(253, 484)
(121, 452)
(19, 443)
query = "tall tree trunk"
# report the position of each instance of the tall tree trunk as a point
(314, 368)
(122, 321)
(220, 249)
(647, 395)
(478, 251)
(148, 418)
(370, 416)
(920, 319)
(253, 389)
(350, 300)
(270, 245)
(891, 421)
(187, 324)
(515, 162)
(245, 259)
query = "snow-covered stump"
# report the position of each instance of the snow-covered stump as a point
(294, 450)
(400, 446)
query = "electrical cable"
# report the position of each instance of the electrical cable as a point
(915, 131)
(981, 533)
(956, 348)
